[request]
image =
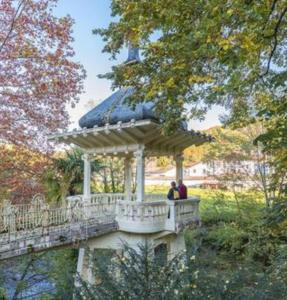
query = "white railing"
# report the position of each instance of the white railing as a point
(183, 213)
(112, 198)
(19, 220)
(141, 217)
(155, 214)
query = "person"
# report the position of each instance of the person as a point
(173, 193)
(182, 190)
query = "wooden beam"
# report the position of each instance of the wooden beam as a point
(197, 141)
(139, 132)
(81, 142)
(175, 140)
(117, 138)
(129, 136)
(158, 141)
(114, 149)
(118, 134)
(95, 140)
(151, 136)
(103, 139)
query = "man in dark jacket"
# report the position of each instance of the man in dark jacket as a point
(173, 193)
(182, 190)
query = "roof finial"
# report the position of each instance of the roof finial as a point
(133, 54)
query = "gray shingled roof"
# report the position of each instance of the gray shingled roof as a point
(115, 109)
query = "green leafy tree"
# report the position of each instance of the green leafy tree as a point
(110, 177)
(39, 276)
(196, 54)
(143, 275)
(236, 148)
(200, 53)
(66, 175)
(139, 274)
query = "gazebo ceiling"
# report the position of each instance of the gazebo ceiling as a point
(125, 137)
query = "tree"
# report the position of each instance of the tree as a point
(199, 52)
(21, 171)
(39, 276)
(236, 148)
(38, 78)
(110, 178)
(37, 75)
(138, 275)
(66, 175)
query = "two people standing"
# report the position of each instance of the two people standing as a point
(177, 192)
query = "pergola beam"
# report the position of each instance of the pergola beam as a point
(114, 149)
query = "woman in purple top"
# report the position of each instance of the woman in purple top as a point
(182, 190)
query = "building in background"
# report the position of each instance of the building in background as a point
(206, 173)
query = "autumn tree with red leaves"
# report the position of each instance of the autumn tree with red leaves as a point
(38, 77)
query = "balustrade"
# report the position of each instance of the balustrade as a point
(141, 217)
(155, 214)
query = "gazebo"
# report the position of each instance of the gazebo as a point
(113, 128)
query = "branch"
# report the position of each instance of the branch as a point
(274, 35)
(270, 13)
(19, 11)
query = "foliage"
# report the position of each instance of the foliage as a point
(110, 177)
(65, 177)
(163, 162)
(21, 172)
(273, 113)
(62, 272)
(239, 245)
(196, 54)
(142, 275)
(39, 276)
(243, 161)
(139, 275)
(199, 53)
(38, 76)
(238, 253)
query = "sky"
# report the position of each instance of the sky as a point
(90, 14)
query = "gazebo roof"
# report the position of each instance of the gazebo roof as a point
(115, 128)
(124, 137)
(114, 109)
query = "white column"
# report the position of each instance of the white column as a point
(87, 177)
(179, 166)
(128, 178)
(140, 176)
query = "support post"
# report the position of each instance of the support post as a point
(179, 166)
(140, 176)
(80, 266)
(128, 178)
(87, 177)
